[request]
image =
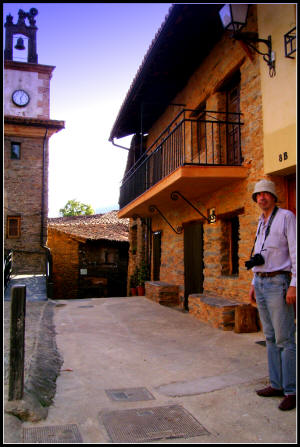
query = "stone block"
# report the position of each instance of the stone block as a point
(223, 313)
(162, 293)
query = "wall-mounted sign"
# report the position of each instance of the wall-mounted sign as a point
(83, 271)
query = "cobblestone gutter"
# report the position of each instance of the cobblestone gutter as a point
(42, 362)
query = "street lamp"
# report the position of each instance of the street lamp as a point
(234, 18)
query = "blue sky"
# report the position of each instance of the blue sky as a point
(97, 49)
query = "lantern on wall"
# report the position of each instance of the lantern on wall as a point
(234, 18)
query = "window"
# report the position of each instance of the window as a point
(15, 151)
(156, 255)
(230, 246)
(13, 226)
(202, 136)
(230, 91)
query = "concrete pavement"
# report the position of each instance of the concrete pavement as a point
(121, 345)
(42, 361)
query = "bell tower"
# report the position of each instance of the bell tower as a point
(27, 130)
(21, 28)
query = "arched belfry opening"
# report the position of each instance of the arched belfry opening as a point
(29, 31)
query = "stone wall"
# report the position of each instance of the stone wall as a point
(65, 257)
(234, 199)
(162, 293)
(35, 83)
(137, 236)
(84, 269)
(23, 197)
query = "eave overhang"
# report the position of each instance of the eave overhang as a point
(186, 37)
(31, 127)
(26, 66)
(194, 182)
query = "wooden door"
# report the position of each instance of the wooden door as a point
(193, 260)
(156, 255)
(291, 199)
(291, 192)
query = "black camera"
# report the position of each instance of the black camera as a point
(257, 259)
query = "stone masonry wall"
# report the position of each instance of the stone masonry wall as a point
(23, 197)
(65, 256)
(224, 60)
(36, 84)
(136, 248)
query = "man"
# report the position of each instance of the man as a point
(274, 290)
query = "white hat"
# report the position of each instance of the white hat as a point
(264, 186)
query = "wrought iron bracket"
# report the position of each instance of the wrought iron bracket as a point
(290, 43)
(153, 208)
(249, 38)
(174, 196)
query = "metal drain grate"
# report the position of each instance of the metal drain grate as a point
(151, 424)
(81, 307)
(129, 394)
(51, 435)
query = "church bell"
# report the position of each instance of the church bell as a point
(20, 44)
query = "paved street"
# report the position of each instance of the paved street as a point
(132, 368)
(127, 343)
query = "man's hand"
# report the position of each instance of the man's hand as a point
(291, 295)
(252, 295)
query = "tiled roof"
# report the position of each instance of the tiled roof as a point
(183, 41)
(95, 227)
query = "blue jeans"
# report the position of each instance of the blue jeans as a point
(278, 321)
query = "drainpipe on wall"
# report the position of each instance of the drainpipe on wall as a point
(117, 145)
(49, 283)
(43, 191)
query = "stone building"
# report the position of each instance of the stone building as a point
(27, 130)
(89, 255)
(210, 116)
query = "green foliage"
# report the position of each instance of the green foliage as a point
(134, 278)
(75, 208)
(143, 273)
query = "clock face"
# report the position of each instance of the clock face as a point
(20, 98)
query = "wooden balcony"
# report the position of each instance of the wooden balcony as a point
(195, 156)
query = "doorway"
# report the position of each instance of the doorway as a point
(156, 255)
(193, 260)
(291, 192)
(233, 131)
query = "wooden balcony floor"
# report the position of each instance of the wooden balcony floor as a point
(191, 181)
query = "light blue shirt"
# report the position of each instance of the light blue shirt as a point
(279, 250)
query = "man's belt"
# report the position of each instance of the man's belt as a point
(270, 274)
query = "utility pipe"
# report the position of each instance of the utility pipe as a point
(122, 147)
(43, 191)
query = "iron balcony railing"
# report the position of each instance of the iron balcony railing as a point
(210, 139)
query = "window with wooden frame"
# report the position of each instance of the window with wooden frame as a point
(230, 103)
(199, 146)
(230, 246)
(13, 227)
(15, 151)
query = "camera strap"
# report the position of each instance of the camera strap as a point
(267, 230)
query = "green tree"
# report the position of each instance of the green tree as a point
(76, 208)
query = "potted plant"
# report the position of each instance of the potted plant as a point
(132, 286)
(143, 275)
(133, 282)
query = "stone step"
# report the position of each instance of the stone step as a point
(224, 313)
